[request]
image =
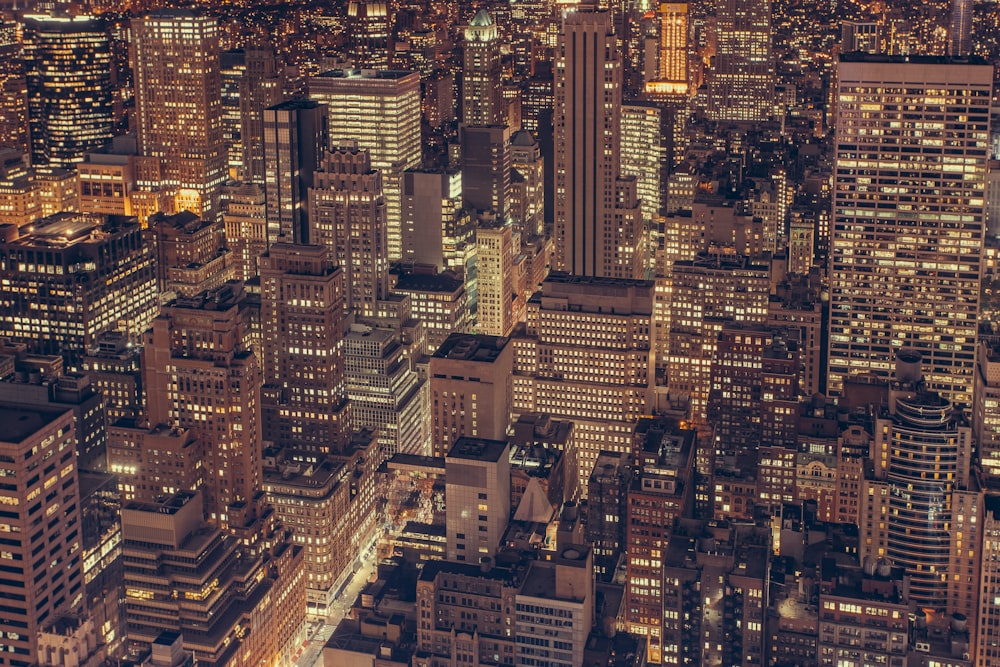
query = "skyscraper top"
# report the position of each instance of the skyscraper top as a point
(482, 19)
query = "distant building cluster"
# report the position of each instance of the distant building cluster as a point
(543, 334)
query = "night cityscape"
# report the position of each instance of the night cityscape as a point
(543, 333)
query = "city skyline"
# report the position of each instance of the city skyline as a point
(563, 334)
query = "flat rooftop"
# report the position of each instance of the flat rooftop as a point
(471, 347)
(477, 449)
(19, 424)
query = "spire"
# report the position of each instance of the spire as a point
(482, 19)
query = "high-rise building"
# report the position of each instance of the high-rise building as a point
(178, 103)
(646, 154)
(486, 163)
(302, 313)
(859, 36)
(598, 225)
(922, 455)
(196, 359)
(527, 184)
(988, 636)
(245, 219)
(671, 74)
(378, 111)
(904, 275)
(741, 79)
(481, 102)
(261, 86)
(439, 300)
(586, 356)
(470, 389)
(72, 278)
(497, 295)
(986, 409)
(477, 497)
(347, 214)
(68, 68)
(232, 71)
(295, 139)
(39, 453)
(960, 28)
(386, 394)
(436, 229)
(369, 36)
(191, 253)
(13, 90)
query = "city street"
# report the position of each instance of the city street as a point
(312, 656)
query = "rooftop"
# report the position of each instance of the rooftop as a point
(477, 449)
(471, 347)
(18, 424)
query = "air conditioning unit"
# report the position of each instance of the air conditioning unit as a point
(922, 647)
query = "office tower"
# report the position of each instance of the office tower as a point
(741, 79)
(245, 220)
(481, 104)
(91, 273)
(670, 77)
(586, 356)
(191, 254)
(477, 497)
(67, 64)
(439, 300)
(527, 184)
(495, 250)
(922, 453)
(661, 491)
(295, 139)
(369, 42)
(555, 607)
(796, 303)
(346, 213)
(486, 164)
(753, 398)
(598, 226)
(260, 87)
(232, 70)
(178, 104)
(470, 389)
(607, 510)
(13, 90)
(386, 394)
(859, 36)
(101, 529)
(302, 314)
(801, 242)
(156, 461)
(187, 576)
(436, 228)
(902, 275)
(715, 592)
(646, 155)
(865, 613)
(378, 111)
(38, 452)
(115, 370)
(197, 358)
(315, 502)
(706, 293)
(986, 410)
(960, 28)
(106, 179)
(988, 637)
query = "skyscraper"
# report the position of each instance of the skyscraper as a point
(908, 218)
(347, 215)
(741, 80)
(302, 310)
(88, 274)
(598, 224)
(960, 28)
(295, 139)
(178, 100)
(260, 88)
(378, 111)
(68, 69)
(481, 102)
(671, 76)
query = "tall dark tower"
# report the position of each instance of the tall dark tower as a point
(598, 224)
(481, 102)
(68, 70)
